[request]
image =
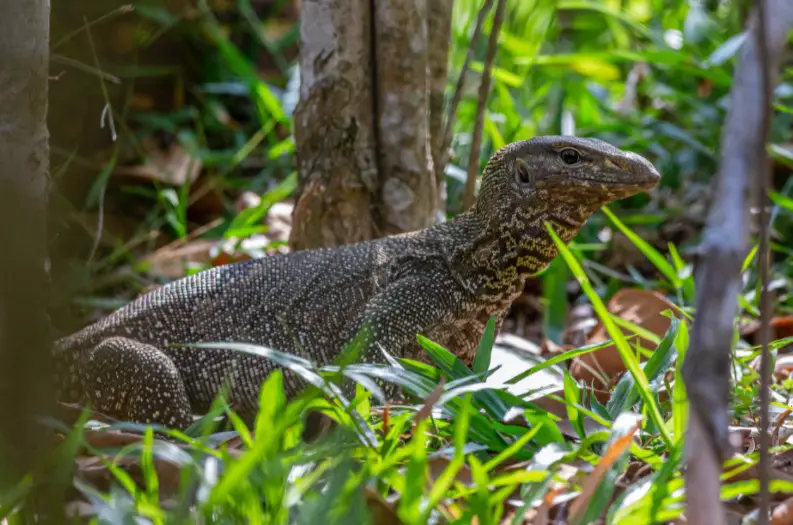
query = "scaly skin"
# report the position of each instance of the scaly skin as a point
(444, 282)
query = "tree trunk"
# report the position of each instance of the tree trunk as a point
(368, 123)
(334, 126)
(24, 181)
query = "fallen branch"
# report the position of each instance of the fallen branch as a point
(706, 370)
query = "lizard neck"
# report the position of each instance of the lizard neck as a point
(501, 252)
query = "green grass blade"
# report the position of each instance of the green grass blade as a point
(565, 356)
(616, 334)
(625, 394)
(679, 397)
(485, 349)
(554, 298)
(653, 255)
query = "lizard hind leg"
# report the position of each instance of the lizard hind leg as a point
(134, 381)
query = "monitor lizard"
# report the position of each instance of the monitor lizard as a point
(444, 282)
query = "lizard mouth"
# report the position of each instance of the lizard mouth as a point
(644, 182)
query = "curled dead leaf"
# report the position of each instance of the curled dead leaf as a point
(174, 165)
(382, 512)
(93, 471)
(781, 326)
(783, 513)
(171, 262)
(641, 307)
(438, 465)
(426, 409)
(782, 369)
(110, 438)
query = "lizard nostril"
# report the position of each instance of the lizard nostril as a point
(639, 165)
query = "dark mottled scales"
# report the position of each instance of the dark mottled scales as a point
(444, 282)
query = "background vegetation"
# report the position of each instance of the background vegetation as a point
(172, 148)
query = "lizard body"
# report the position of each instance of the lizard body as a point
(444, 282)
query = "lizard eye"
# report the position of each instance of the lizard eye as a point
(523, 173)
(569, 156)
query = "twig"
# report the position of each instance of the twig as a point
(763, 256)
(484, 90)
(109, 116)
(121, 10)
(706, 369)
(458, 89)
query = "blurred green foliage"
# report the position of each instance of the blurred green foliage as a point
(652, 76)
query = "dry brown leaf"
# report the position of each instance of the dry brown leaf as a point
(782, 369)
(780, 420)
(386, 416)
(110, 438)
(641, 307)
(636, 470)
(783, 326)
(93, 471)
(614, 452)
(279, 221)
(784, 462)
(426, 409)
(317, 424)
(206, 200)
(783, 513)
(174, 166)
(550, 349)
(170, 263)
(141, 102)
(581, 321)
(382, 512)
(171, 260)
(438, 465)
(543, 511)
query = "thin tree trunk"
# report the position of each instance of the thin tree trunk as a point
(401, 43)
(706, 369)
(334, 126)
(372, 74)
(25, 371)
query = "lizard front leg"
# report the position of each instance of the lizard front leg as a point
(134, 381)
(409, 306)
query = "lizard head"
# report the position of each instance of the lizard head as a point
(566, 170)
(568, 177)
(561, 180)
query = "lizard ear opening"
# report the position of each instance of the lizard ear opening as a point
(523, 173)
